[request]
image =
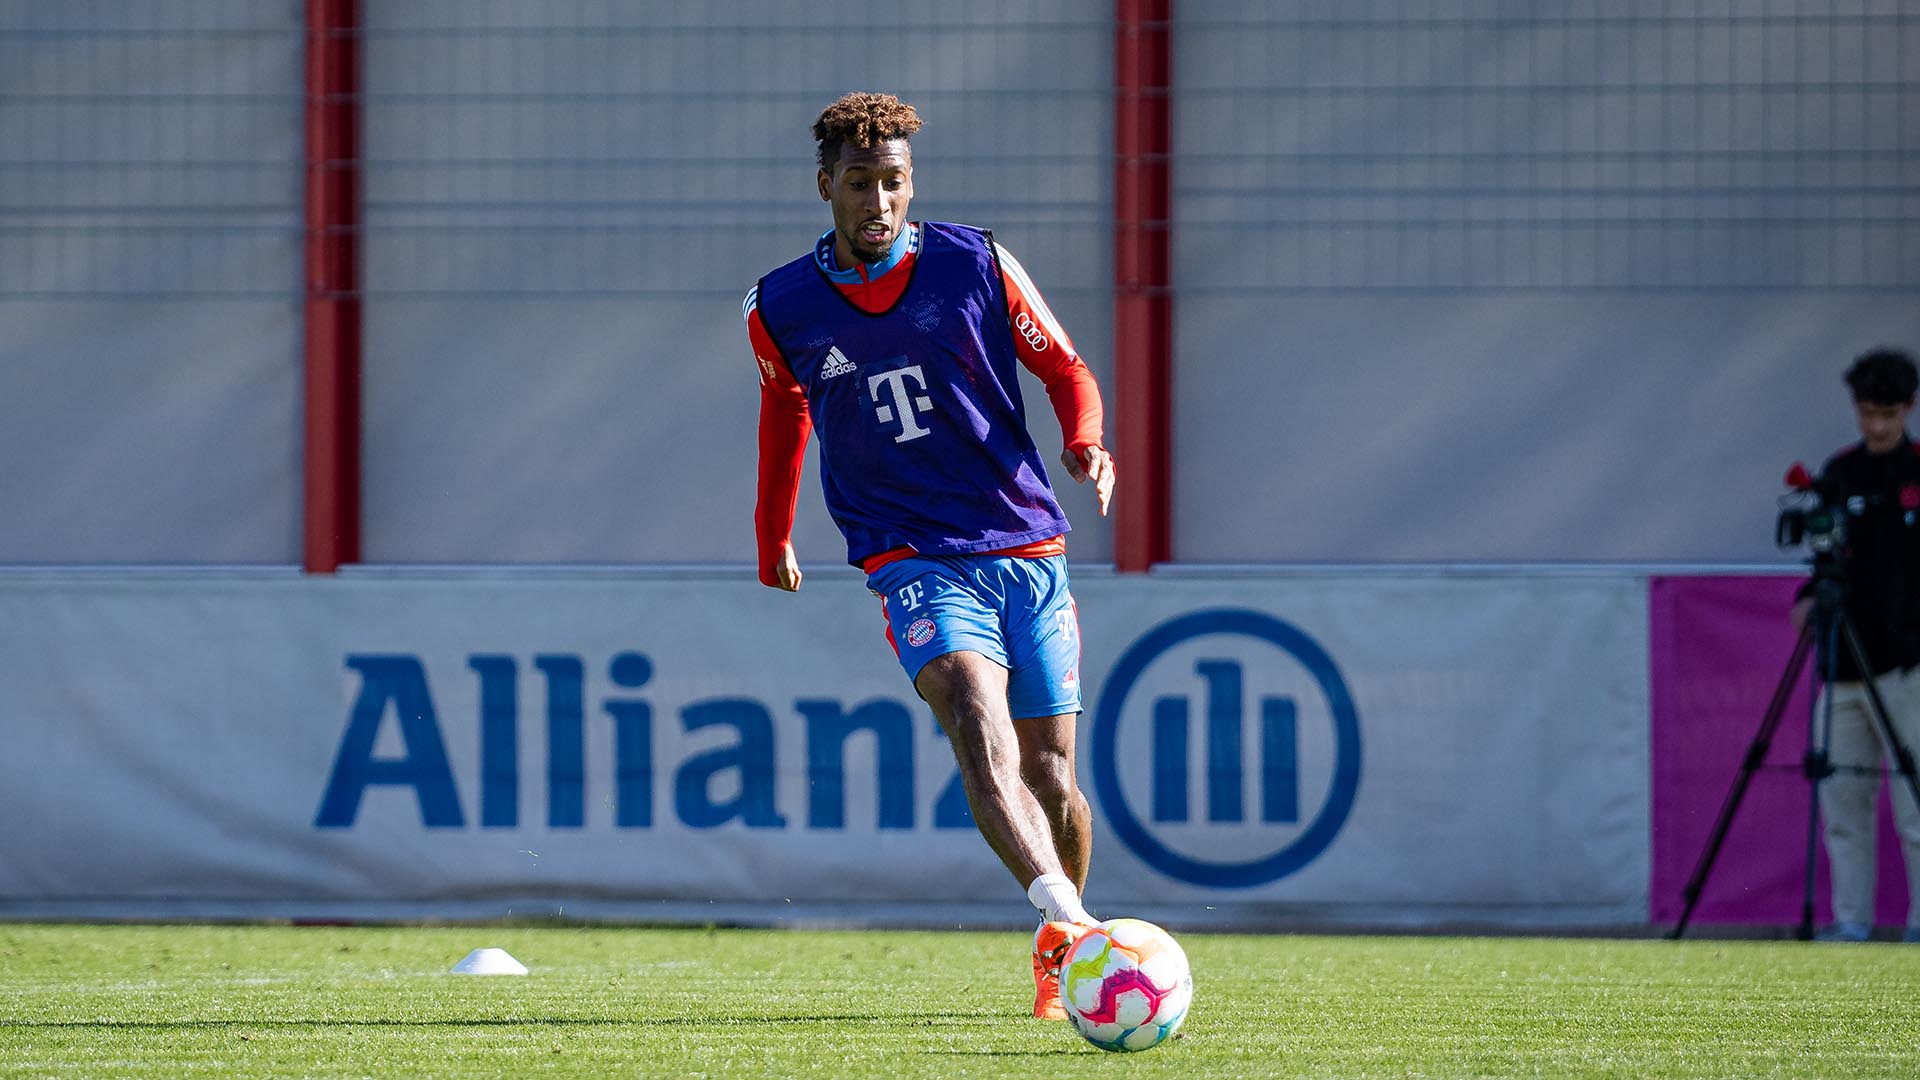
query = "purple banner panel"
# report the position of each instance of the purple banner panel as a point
(1720, 646)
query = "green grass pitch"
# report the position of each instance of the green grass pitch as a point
(177, 1001)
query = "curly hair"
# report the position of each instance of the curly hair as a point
(862, 119)
(1883, 377)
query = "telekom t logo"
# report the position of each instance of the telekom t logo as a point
(905, 402)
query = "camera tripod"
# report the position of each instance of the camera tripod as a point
(1830, 624)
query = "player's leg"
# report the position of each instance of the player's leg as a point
(1047, 768)
(1847, 808)
(1043, 694)
(945, 625)
(945, 620)
(968, 694)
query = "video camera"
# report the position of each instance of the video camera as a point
(1806, 515)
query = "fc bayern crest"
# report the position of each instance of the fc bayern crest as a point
(920, 632)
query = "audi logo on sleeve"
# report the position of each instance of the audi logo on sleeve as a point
(1024, 325)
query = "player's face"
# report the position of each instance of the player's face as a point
(869, 189)
(1881, 425)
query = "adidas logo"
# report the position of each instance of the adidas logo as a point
(837, 364)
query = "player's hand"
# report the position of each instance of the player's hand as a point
(1096, 464)
(787, 569)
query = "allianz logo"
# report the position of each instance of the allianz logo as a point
(395, 736)
(1225, 748)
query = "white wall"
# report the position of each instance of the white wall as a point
(1460, 284)
(562, 223)
(1454, 283)
(149, 282)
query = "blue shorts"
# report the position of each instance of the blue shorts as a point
(1016, 612)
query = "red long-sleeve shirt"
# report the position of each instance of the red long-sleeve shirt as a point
(1040, 343)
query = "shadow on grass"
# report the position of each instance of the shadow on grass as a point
(915, 1019)
(1001, 1053)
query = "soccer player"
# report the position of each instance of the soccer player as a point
(898, 342)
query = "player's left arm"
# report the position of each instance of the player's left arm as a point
(1045, 349)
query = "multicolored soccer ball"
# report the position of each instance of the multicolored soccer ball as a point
(1125, 985)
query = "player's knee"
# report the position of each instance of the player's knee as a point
(965, 715)
(964, 701)
(1049, 775)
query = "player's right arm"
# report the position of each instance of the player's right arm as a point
(784, 427)
(1042, 346)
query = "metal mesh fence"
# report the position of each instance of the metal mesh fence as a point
(578, 148)
(566, 200)
(149, 149)
(563, 148)
(1411, 145)
(150, 279)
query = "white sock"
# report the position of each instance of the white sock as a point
(1057, 899)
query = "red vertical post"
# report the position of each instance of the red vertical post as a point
(1143, 282)
(332, 285)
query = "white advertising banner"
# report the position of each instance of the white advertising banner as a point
(1259, 750)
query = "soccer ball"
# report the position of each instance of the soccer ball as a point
(1125, 985)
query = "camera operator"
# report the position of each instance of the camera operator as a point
(1873, 487)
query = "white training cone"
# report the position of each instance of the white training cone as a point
(489, 962)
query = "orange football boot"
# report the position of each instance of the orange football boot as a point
(1050, 945)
